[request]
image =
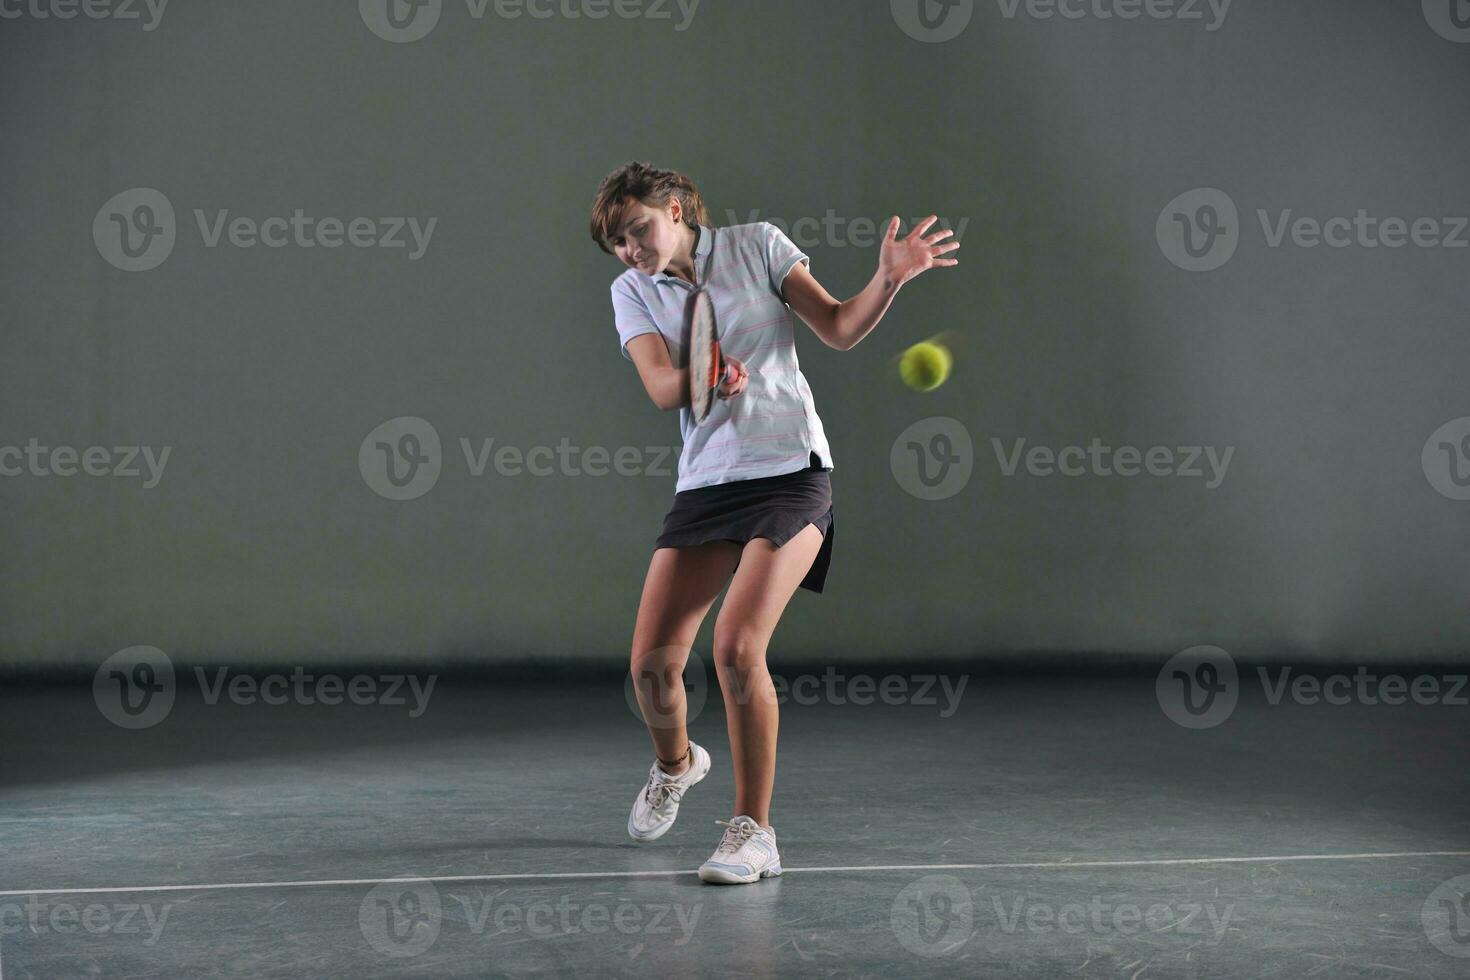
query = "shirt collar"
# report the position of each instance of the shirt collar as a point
(701, 250)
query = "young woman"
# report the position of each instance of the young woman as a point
(753, 498)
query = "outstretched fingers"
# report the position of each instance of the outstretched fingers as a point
(918, 230)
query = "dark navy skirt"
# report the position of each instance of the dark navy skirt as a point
(774, 507)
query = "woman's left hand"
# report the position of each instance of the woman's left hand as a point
(901, 260)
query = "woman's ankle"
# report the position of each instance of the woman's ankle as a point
(679, 766)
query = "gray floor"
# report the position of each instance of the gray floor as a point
(264, 841)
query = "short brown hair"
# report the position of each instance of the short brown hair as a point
(647, 183)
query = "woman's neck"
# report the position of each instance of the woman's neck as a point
(681, 266)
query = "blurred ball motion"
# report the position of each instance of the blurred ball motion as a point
(925, 366)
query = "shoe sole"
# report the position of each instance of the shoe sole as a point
(664, 828)
(717, 876)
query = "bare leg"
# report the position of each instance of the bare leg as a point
(681, 585)
(763, 585)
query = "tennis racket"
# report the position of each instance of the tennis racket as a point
(707, 366)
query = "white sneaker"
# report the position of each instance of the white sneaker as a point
(746, 853)
(658, 802)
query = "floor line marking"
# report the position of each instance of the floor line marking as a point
(551, 876)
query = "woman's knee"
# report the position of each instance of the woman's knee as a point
(740, 648)
(657, 658)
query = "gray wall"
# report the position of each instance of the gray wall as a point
(1056, 142)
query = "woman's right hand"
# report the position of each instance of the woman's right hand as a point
(729, 389)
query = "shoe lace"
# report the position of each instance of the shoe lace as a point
(736, 834)
(662, 789)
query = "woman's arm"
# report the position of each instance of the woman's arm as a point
(843, 325)
(664, 383)
(668, 386)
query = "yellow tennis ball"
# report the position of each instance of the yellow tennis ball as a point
(925, 366)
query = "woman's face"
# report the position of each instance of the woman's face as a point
(649, 237)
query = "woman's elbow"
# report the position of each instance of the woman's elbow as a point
(666, 389)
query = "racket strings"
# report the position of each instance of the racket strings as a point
(704, 342)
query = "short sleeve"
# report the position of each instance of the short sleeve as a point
(630, 315)
(781, 255)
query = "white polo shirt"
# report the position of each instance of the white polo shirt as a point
(771, 427)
